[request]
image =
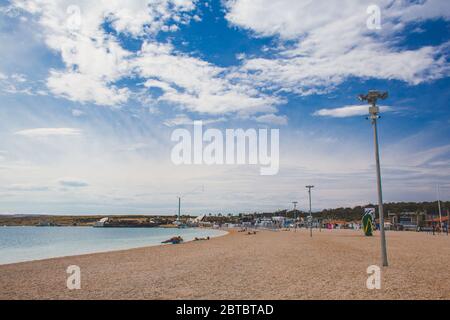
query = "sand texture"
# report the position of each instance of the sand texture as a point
(268, 265)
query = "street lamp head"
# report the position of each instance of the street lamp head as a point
(373, 96)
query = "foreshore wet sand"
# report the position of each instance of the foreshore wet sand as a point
(268, 265)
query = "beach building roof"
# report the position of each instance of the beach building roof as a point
(437, 219)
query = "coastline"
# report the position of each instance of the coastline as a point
(225, 232)
(268, 265)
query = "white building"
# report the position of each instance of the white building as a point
(101, 222)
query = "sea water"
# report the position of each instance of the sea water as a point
(19, 244)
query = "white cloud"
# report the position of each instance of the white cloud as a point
(27, 188)
(197, 85)
(94, 60)
(423, 10)
(46, 132)
(17, 83)
(182, 119)
(77, 112)
(17, 77)
(293, 18)
(80, 87)
(332, 43)
(348, 111)
(132, 163)
(125, 157)
(272, 119)
(73, 183)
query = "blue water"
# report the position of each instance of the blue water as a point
(19, 244)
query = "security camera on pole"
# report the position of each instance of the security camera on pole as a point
(374, 111)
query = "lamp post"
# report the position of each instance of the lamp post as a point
(448, 220)
(439, 207)
(179, 209)
(310, 211)
(295, 209)
(374, 111)
(295, 215)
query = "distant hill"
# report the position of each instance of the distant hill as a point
(348, 214)
(55, 220)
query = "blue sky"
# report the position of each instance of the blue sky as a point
(91, 92)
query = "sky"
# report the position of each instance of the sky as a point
(91, 92)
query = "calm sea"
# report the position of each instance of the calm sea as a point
(32, 243)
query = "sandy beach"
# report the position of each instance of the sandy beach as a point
(268, 265)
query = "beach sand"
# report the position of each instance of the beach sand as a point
(269, 265)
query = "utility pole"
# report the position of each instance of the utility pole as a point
(448, 220)
(310, 211)
(432, 222)
(439, 206)
(374, 111)
(295, 215)
(184, 195)
(179, 209)
(295, 209)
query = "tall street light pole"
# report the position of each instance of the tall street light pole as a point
(295, 214)
(179, 209)
(439, 207)
(448, 220)
(295, 209)
(310, 211)
(374, 111)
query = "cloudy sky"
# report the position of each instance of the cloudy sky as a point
(90, 92)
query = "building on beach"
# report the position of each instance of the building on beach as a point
(101, 222)
(407, 220)
(435, 220)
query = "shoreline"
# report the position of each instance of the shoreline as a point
(111, 250)
(269, 265)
